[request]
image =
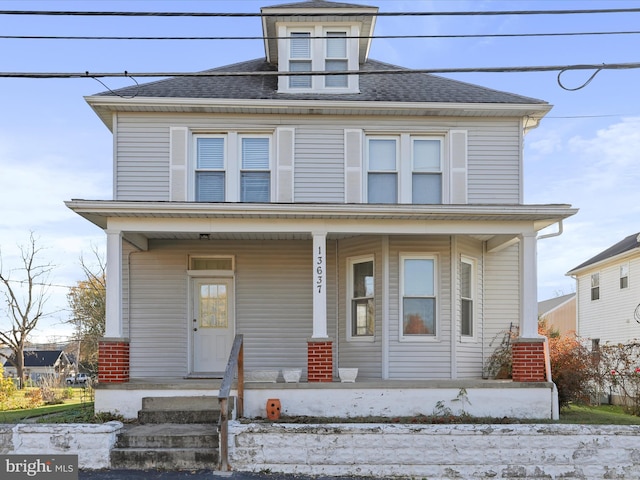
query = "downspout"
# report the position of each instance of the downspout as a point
(554, 234)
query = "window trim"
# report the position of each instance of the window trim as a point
(351, 262)
(232, 162)
(436, 291)
(624, 276)
(595, 289)
(405, 164)
(474, 288)
(367, 170)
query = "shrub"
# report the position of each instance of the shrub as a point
(619, 372)
(34, 397)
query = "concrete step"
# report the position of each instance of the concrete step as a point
(164, 458)
(168, 436)
(182, 410)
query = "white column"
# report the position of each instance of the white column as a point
(319, 285)
(528, 286)
(113, 327)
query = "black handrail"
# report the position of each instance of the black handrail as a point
(236, 362)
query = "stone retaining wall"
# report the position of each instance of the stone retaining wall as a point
(91, 442)
(537, 451)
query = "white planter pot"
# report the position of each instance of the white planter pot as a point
(292, 375)
(348, 375)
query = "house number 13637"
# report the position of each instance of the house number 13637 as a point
(319, 271)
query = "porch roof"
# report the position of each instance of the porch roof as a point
(188, 220)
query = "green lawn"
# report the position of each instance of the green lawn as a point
(597, 415)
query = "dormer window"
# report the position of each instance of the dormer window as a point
(319, 48)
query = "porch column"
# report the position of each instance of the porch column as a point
(530, 350)
(113, 350)
(319, 346)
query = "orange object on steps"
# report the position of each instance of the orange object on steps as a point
(273, 409)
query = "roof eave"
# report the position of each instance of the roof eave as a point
(599, 264)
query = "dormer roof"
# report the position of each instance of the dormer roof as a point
(309, 12)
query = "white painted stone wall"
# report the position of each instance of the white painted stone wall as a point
(439, 451)
(91, 442)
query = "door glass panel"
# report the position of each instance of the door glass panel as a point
(213, 306)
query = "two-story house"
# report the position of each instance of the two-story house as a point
(608, 293)
(370, 220)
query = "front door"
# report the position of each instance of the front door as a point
(213, 324)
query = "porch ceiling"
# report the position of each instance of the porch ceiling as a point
(242, 221)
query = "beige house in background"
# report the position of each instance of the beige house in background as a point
(559, 313)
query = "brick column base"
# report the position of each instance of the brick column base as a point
(113, 360)
(529, 360)
(320, 360)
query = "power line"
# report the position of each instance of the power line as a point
(312, 14)
(221, 73)
(479, 35)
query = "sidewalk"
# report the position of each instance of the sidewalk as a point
(197, 475)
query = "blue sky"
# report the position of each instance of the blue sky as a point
(54, 148)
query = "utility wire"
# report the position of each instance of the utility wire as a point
(479, 35)
(222, 73)
(313, 14)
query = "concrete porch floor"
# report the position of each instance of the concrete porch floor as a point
(476, 397)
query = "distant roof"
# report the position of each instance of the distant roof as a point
(38, 358)
(404, 87)
(318, 4)
(546, 306)
(630, 243)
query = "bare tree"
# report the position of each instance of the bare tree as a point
(87, 300)
(25, 300)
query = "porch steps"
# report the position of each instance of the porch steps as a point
(172, 433)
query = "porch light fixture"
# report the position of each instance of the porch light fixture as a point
(205, 236)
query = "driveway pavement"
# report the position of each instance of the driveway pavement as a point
(196, 475)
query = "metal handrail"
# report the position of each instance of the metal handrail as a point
(236, 362)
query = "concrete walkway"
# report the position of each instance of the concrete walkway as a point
(197, 475)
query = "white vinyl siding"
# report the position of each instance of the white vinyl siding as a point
(611, 319)
(414, 359)
(144, 166)
(319, 170)
(273, 304)
(501, 295)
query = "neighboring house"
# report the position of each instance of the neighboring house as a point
(41, 363)
(370, 220)
(559, 313)
(608, 292)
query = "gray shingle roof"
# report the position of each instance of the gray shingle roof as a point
(318, 4)
(629, 243)
(406, 87)
(38, 358)
(545, 306)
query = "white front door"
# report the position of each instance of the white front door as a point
(213, 325)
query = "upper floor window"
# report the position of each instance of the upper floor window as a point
(595, 286)
(232, 167)
(404, 169)
(419, 297)
(624, 276)
(318, 48)
(361, 313)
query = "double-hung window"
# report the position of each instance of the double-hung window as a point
(426, 181)
(382, 176)
(361, 314)
(300, 59)
(467, 287)
(232, 167)
(336, 59)
(255, 176)
(624, 276)
(419, 297)
(210, 169)
(595, 286)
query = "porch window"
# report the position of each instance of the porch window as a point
(624, 276)
(382, 181)
(595, 286)
(419, 297)
(361, 314)
(467, 288)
